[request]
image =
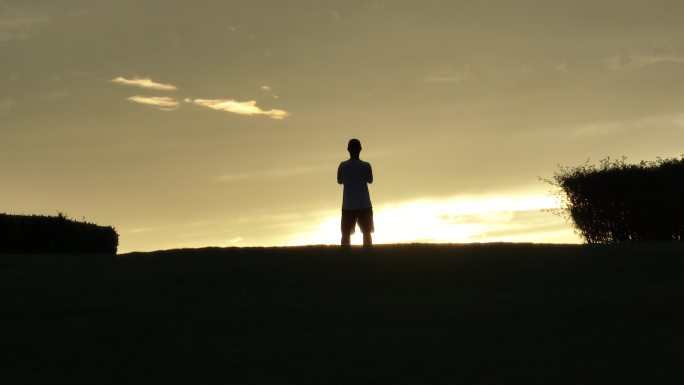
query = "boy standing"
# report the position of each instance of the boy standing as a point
(355, 175)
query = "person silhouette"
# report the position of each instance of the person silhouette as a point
(355, 175)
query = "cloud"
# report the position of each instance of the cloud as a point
(161, 102)
(243, 108)
(14, 77)
(174, 39)
(77, 13)
(227, 105)
(269, 89)
(377, 5)
(19, 24)
(335, 14)
(144, 83)
(269, 174)
(664, 123)
(448, 76)
(139, 230)
(6, 105)
(562, 66)
(621, 62)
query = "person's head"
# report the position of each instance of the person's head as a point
(354, 148)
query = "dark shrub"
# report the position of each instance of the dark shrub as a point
(619, 202)
(20, 234)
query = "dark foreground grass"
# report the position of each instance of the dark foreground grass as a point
(418, 314)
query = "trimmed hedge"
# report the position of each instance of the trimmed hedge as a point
(22, 234)
(619, 202)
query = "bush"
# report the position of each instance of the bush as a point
(619, 202)
(20, 234)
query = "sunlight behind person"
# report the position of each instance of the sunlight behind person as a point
(501, 218)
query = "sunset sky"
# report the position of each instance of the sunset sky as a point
(222, 123)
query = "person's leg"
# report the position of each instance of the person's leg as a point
(367, 240)
(347, 226)
(367, 226)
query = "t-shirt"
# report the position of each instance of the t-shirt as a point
(355, 174)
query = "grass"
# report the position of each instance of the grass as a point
(411, 314)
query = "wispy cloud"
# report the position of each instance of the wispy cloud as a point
(53, 94)
(269, 90)
(227, 105)
(144, 83)
(6, 105)
(448, 76)
(561, 66)
(161, 102)
(654, 123)
(269, 174)
(236, 107)
(377, 5)
(621, 62)
(335, 14)
(18, 23)
(174, 39)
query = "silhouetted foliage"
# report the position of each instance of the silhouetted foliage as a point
(20, 234)
(619, 202)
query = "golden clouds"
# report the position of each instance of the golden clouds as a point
(449, 76)
(242, 108)
(161, 102)
(144, 83)
(165, 103)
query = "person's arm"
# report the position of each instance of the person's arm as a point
(339, 174)
(369, 179)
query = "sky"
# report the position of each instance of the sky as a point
(222, 123)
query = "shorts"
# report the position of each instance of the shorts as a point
(364, 217)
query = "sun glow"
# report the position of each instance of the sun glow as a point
(457, 220)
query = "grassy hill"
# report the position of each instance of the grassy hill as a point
(410, 314)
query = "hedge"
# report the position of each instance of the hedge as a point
(21, 234)
(619, 202)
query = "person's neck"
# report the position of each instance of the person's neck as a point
(354, 157)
